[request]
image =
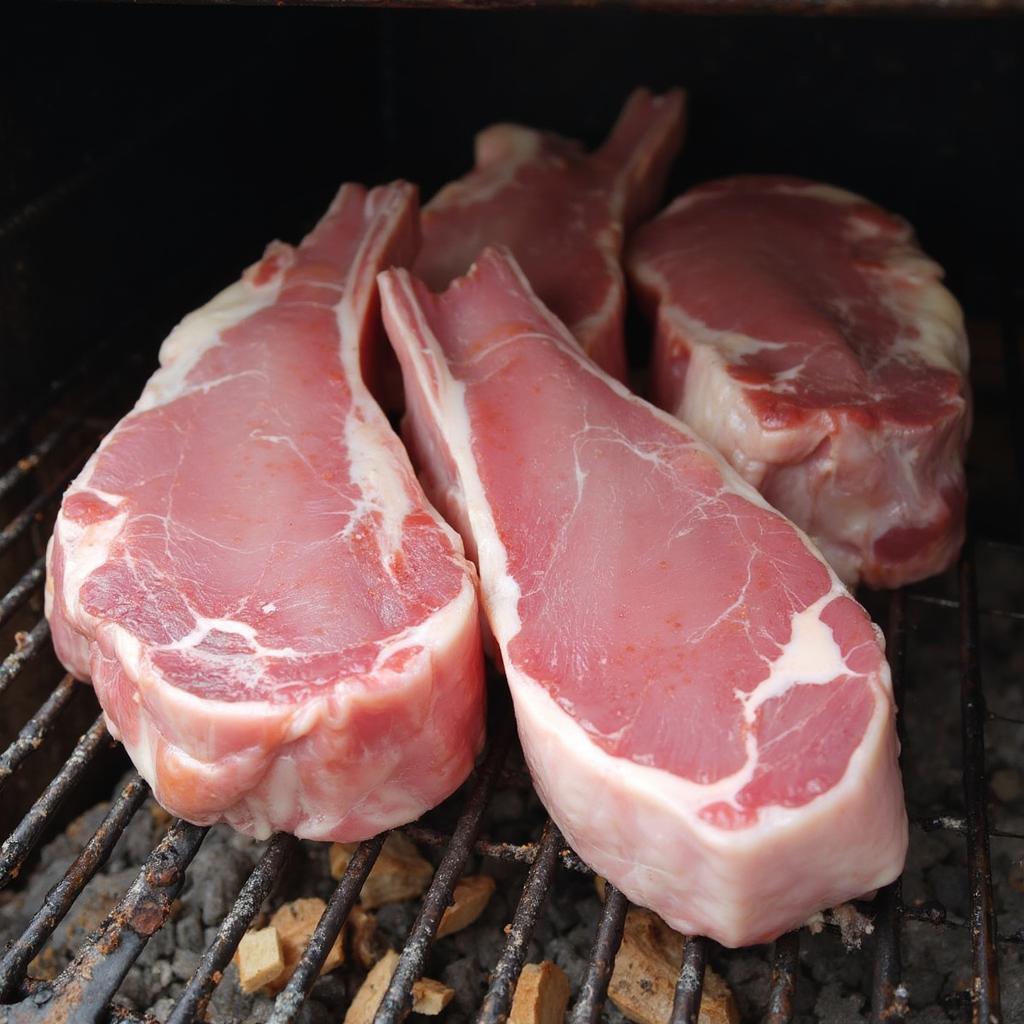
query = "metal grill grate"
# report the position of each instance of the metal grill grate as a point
(83, 991)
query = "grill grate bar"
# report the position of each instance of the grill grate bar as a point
(60, 898)
(28, 646)
(985, 996)
(522, 853)
(21, 522)
(782, 987)
(193, 1000)
(397, 998)
(35, 456)
(953, 823)
(594, 989)
(952, 604)
(289, 1002)
(34, 731)
(20, 842)
(690, 984)
(83, 991)
(495, 1007)
(888, 997)
(21, 591)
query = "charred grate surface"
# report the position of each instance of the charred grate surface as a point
(48, 446)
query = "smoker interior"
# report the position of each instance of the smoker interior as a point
(148, 156)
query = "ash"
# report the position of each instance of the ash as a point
(835, 977)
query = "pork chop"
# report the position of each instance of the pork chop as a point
(800, 330)
(706, 711)
(562, 211)
(279, 627)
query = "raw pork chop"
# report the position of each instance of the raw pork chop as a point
(563, 213)
(279, 627)
(802, 332)
(706, 711)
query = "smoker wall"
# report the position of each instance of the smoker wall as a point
(149, 153)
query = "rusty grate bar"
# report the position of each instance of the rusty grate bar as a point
(21, 522)
(690, 984)
(888, 996)
(594, 989)
(289, 1002)
(522, 853)
(83, 991)
(60, 898)
(782, 987)
(20, 842)
(192, 1004)
(985, 999)
(34, 731)
(35, 456)
(498, 1000)
(28, 646)
(398, 997)
(21, 591)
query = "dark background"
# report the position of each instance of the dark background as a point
(148, 153)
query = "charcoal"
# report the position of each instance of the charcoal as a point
(465, 978)
(188, 933)
(838, 1008)
(184, 963)
(162, 1009)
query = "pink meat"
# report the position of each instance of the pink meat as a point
(706, 711)
(802, 332)
(279, 627)
(562, 211)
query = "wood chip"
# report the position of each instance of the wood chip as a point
(542, 994)
(471, 895)
(259, 958)
(400, 873)
(643, 981)
(295, 923)
(428, 997)
(364, 944)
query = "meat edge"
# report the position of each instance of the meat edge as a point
(731, 885)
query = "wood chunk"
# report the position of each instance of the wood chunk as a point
(365, 945)
(643, 981)
(542, 994)
(400, 873)
(428, 997)
(472, 894)
(599, 885)
(295, 923)
(260, 958)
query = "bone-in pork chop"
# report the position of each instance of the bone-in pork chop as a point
(802, 332)
(279, 627)
(562, 211)
(706, 711)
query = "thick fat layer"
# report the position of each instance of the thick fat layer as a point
(562, 212)
(670, 641)
(278, 625)
(803, 334)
